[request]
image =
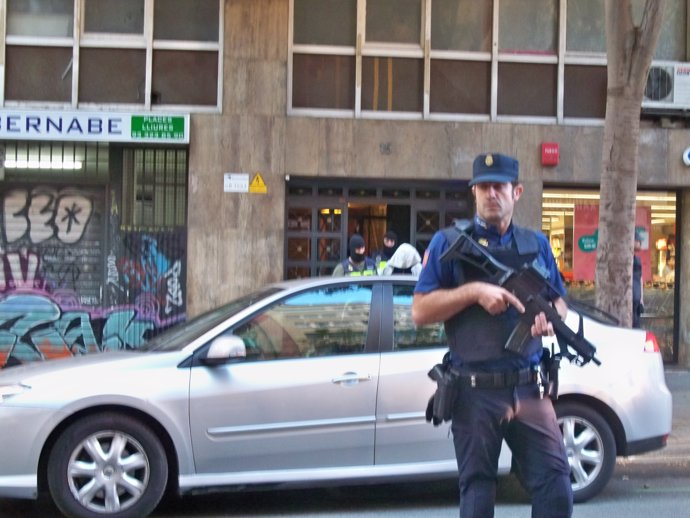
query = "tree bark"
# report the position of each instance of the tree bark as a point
(630, 49)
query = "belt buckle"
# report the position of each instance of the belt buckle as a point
(473, 380)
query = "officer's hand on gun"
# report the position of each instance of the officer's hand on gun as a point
(495, 300)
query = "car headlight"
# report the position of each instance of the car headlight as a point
(7, 391)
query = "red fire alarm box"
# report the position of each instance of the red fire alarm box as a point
(549, 153)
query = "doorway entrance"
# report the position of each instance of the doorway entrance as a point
(322, 214)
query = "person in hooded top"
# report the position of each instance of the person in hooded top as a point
(406, 259)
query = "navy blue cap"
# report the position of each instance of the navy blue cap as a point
(494, 167)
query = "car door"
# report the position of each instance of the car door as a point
(305, 396)
(408, 352)
(402, 433)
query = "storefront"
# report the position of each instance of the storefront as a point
(570, 219)
(93, 230)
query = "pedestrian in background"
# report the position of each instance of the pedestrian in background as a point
(638, 305)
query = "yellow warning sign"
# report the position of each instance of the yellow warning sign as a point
(257, 185)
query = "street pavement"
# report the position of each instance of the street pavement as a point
(676, 455)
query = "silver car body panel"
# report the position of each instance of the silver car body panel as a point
(630, 380)
(349, 417)
(149, 383)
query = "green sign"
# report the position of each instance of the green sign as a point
(161, 127)
(589, 243)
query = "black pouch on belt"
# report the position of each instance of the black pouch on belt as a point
(550, 365)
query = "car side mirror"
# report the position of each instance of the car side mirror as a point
(224, 349)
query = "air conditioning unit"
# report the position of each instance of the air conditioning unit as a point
(668, 88)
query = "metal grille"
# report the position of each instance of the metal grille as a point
(155, 187)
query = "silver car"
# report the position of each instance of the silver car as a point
(310, 381)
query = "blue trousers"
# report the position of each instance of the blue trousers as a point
(482, 418)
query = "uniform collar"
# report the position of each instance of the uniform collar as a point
(491, 234)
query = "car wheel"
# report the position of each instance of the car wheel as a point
(107, 465)
(590, 446)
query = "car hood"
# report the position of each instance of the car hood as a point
(99, 366)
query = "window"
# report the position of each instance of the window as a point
(325, 22)
(527, 89)
(460, 86)
(321, 322)
(112, 75)
(154, 187)
(127, 53)
(539, 15)
(50, 18)
(585, 91)
(461, 25)
(586, 27)
(48, 78)
(392, 84)
(121, 17)
(394, 21)
(673, 36)
(406, 335)
(443, 60)
(182, 20)
(323, 81)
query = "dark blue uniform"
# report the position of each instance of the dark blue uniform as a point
(504, 406)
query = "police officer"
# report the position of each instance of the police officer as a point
(381, 257)
(498, 394)
(358, 263)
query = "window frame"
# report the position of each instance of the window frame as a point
(361, 48)
(145, 41)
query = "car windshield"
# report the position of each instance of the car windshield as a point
(180, 335)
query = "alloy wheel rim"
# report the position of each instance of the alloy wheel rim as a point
(584, 448)
(108, 472)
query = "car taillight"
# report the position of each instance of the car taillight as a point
(650, 343)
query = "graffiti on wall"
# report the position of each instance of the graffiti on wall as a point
(61, 295)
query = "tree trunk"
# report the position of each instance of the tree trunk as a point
(629, 54)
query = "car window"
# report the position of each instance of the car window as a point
(317, 322)
(180, 335)
(406, 335)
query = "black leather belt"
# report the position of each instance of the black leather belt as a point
(499, 379)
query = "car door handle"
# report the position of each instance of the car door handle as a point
(351, 378)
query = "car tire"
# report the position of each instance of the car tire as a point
(590, 446)
(86, 480)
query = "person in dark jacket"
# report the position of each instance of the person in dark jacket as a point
(390, 245)
(638, 307)
(499, 394)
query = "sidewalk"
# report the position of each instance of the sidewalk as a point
(677, 451)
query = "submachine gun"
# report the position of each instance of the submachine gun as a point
(527, 284)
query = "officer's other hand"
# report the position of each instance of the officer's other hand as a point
(541, 326)
(496, 300)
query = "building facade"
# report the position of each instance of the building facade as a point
(253, 137)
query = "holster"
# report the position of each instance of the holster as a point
(550, 365)
(440, 406)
